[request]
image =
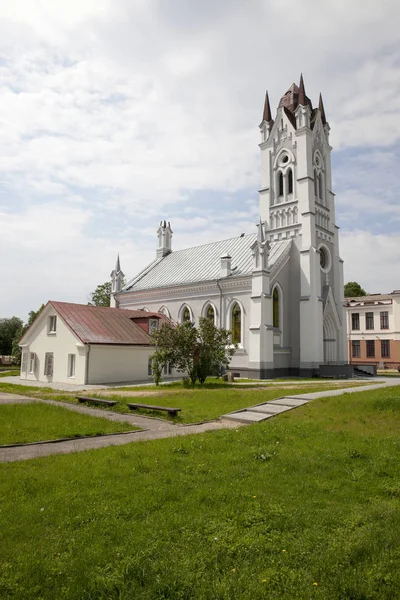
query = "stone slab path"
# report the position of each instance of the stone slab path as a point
(266, 410)
(153, 428)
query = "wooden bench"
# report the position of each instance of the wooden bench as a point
(171, 411)
(99, 401)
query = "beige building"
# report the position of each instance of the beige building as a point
(373, 330)
(81, 344)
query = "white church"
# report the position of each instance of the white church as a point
(279, 289)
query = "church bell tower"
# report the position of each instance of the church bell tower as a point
(297, 203)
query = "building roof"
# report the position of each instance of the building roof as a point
(103, 325)
(203, 263)
(371, 298)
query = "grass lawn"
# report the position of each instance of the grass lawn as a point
(303, 506)
(198, 404)
(33, 422)
(10, 373)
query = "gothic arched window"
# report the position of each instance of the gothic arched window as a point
(186, 316)
(320, 186)
(315, 183)
(275, 308)
(236, 324)
(290, 181)
(210, 314)
(280, 183)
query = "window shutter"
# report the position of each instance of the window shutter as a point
(24, 362)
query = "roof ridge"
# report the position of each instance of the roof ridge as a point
(236, 237)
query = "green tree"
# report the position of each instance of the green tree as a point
(101, 295)
(195, 352)
(8, 329)
(16, 350)
(352, 289)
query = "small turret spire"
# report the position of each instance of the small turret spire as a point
(267, 109)
(302, 92)
(117, 265)
(260, 233)
(322, 110)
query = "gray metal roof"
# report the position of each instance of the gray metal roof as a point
(203, 263)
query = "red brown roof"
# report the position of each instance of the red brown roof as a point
(103, 325)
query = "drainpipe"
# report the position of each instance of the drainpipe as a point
(220, 305)
(87, 364)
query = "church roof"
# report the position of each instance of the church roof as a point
(203, 263)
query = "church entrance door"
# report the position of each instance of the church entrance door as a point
(330, 341)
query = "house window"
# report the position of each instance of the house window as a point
(153, 324)
(280, 183)
(149, 368)
(167, 369)
(32, 360)
(355, 349)
(71, 365)
(48, 364)
(210, 314)
(385, 348)
(275, 308)
(236, 324)
(290, 181)
(384, 319)
(24, 362)
(355, 321)
(186, 316)
(52, 325)
(369, 320)
(370, 348)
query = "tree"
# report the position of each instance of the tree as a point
(101, 295)
(195, 352)
(352, 289)
(8, 329)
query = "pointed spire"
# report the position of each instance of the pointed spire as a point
(322, 110)
(260, 233)
(267, 109)
(117, 265)
(302, 92)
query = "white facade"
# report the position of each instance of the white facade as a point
(61, 342)
(290, 294)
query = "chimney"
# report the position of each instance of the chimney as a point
(226, 265)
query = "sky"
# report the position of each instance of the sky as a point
(115, 114)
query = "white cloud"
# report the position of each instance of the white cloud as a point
(371, 260)
(114, 114)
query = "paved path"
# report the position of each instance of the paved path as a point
(153, 428)
(266, 410)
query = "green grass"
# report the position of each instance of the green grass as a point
(198, 404)
(11, 373)
(22, 423)
(207, 404)
(265, 511)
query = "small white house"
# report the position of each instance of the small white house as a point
(81, 344)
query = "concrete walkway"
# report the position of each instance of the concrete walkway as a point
(266, 410)
(153, 428)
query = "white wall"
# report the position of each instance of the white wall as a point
(118, 364)
(61, 343)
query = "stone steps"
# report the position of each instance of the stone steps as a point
(266, 410)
